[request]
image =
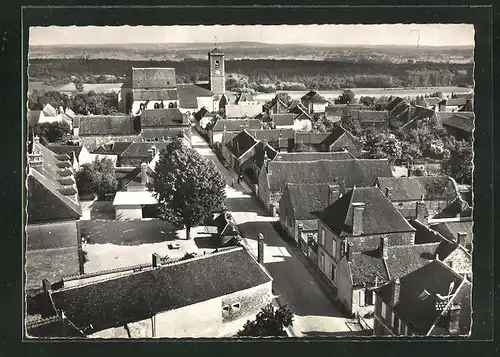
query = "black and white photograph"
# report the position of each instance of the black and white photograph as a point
(249, 181)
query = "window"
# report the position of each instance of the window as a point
(334, 248)
(383, 309)
(235, 306)
(225, 308)
(322, 262)
(396, 325)
(333, 273)
(323, 234)
(368, 297)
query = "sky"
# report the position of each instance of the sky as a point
(393, 34)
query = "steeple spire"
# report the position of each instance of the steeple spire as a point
(215, 41)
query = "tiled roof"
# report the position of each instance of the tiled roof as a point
(283, 119)
(260, 151)
(379, 216)
(418, 310)
(162, 134)
(153, 78)
(313, 97)
(431, 101)
(201, 114)
(451, 229)
(333, 111)
(155, 94)
(163, 117)
(336, 134)
(271, 134)
(33, 117)
(457, 208)
(140, 149)
(49, 110)
(402, 260)
(140, 295)
(459, 121)
(417, 112)
(373, 116)
(217, 51)
(51, 264)
(352, 172)
(455, 101)
(366, 267)
(310, 138)
(313, 156)
(236, 124)
(188, 94)
(242, 111)
(106, 125)
(61, 149)
(241, 143)
(412, 188)
(116, 148)
(307, 199)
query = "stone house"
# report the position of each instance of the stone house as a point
(339, 139)
(231, 126)
(53, 248)
(283, 120)
(430, 301)
(347, 173)
(165, 296)
(239, 150)
(314, 102)
(355, 232)
(438, 192)
(279, 104)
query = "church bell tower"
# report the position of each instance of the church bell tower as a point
(217, 75)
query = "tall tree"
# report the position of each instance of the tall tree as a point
(97, 178)
(347, 97)
(458, 163)
(269, 322)
(52, 132)
(189, 188)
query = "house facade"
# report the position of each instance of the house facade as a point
(314, 102)
(234, 126)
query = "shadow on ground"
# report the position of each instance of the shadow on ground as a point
(205, 242)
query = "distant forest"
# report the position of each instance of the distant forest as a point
(264, 75)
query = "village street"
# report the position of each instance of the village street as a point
(293, 282)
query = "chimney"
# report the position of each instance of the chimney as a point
(357, 218)
(300, 229)
(46, 286)
(156, 260)
(144, 173)
(396, 288)
(150, 155)
(461, 238)
(384, 244)
(153, 150)
(333, 193)
(266, 159)
(260, 248)
(387, 192)
(421, 212)
(454, 315)
(348, 251)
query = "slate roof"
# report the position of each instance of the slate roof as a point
(310, 138)
(421, 313)
(241, 143)
(459, 121)
(313, 97)
(155, 94)
(454, 101)
(271, 134)
(236, 124)
(61, 149)
(372, 116)
(402, 260)
(451, 229)
(351, 172)
(260, 150)
(242, 111)
(49, 110)
(394, 103)
(201, 114)
(106, 125)
(153, 78)
(162, 134)
(412, 188)
(140, 149)
(163, 118)
(432, 101)
(313, 156)
(336, 134)
(417, 112)
(379, 216)
(217, 51)
(307, 199)
(282, 119)
(366, 267)
(188, 94)
(457, 208)
(140, 295)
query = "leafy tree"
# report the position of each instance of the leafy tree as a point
(458, 163)
(367, 101)
(38, 99)
(79, 84)
(269, 322)
(97, 178)
(52, 132)
(437, 94)
(347, 97)
(189, 188)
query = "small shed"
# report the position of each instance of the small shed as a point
(129, 204)
(227, 231)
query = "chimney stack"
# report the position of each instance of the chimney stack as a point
(387, 192)
(421, 212)
(454, 313)
(333, 193)
(150, 155)
(144, 173)
(300, 229)
(156, 260)
(153, 150)
(396, 288)
(260, 248)
(461, 238)
(357, 218)
(384, 244)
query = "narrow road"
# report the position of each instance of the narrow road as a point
(292, 281)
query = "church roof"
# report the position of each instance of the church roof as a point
(217, 51)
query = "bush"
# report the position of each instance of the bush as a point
(97, 178)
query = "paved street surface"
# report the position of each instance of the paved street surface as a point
(292, 280)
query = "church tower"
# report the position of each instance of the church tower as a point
(217, 75)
